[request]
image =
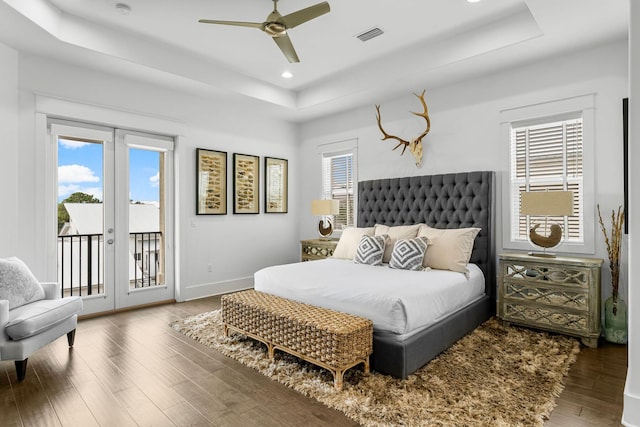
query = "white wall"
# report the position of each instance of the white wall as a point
(235, 245)
(465, 128)
(9, 144)
(631, 413)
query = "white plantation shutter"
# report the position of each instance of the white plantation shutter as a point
(548, 156)
(338, 183)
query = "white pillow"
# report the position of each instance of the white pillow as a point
(395, 233)
(349, 240)
(449, 249)
(370, 250)
(17, 284)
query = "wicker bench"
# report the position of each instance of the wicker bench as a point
(330, 339)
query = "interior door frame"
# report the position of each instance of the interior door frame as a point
(116, 143)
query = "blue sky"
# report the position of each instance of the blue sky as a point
(80, 168)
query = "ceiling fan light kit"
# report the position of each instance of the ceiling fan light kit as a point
(277, 25)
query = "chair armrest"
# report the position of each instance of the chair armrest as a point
(51, 290)
(4, 312)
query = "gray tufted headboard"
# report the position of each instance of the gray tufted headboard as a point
(454, 200)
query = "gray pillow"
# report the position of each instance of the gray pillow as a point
(370, 250)
(408, 254)
(17, 284)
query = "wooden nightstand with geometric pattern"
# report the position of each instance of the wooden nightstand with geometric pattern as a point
(559, 294)
(317, 248)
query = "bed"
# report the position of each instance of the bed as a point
(418, 326)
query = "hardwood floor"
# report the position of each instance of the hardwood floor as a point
(131, 369)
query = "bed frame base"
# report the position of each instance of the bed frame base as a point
(401, 359)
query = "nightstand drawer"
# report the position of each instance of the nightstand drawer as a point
(553, 319)
(555, 296)
(317, 249)
(547, 274)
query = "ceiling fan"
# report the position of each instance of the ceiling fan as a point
(277, 25)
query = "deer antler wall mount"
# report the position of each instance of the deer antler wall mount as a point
(415, 145)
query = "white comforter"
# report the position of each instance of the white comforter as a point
(397, 301)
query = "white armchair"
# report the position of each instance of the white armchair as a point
(31, 320)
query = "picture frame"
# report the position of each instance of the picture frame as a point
(625, 160)
(246, 184)
(276, 178)
(211, 182)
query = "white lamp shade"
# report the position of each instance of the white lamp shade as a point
(325, 207)
(549, 203)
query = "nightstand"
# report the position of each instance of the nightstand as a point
(317, 248)
(559, 294)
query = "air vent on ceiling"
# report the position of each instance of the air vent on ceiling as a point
(369, 34)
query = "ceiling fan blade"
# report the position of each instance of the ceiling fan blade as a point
(303, 15)
(258, 25)
(285, 45)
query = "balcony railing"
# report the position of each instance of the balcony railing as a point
(81, 262)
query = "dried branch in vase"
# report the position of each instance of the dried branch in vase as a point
(613, 243)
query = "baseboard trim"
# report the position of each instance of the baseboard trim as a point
(631, 410)
(218, 288)
(122, 310)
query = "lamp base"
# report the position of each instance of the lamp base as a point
(325, 230)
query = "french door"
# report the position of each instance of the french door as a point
(115, 225)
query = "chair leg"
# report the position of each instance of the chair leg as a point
(71, 337)
(21, 369)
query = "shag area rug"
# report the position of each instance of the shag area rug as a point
(495, 376)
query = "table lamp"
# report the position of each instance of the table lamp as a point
(325, 208)
(546, 203)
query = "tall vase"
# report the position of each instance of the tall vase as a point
(615, 320)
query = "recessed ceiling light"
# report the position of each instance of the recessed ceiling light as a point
(286, 75)
(473, 1)
(123, 8)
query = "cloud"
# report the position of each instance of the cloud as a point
(71, 145)
(155, 180)
(76, 173)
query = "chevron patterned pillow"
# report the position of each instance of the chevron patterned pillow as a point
(408, 254)
(370, 250)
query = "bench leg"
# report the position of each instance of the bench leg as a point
(226, 330)
(338, 377)
(366, 366)
(271, 350)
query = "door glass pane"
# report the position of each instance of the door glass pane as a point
(80, 216)
(146, 218)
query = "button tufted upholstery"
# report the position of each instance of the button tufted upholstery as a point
(452, 200)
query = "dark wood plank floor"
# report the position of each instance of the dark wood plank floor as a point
(131, 369)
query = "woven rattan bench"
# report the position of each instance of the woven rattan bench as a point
(330, 339)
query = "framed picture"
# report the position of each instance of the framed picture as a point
(625, 160)
(276, 175)
(246, 184)
(211, 182)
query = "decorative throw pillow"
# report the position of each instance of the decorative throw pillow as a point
(449, 249)
(370, 250)
(349, 240)
(17, 284)
(408, 254)
(395, 233)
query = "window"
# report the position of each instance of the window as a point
(337, 183)
(339, 179)
(548, 156)
(550, 146)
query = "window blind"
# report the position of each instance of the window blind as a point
(338, 183)
(548, 156)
